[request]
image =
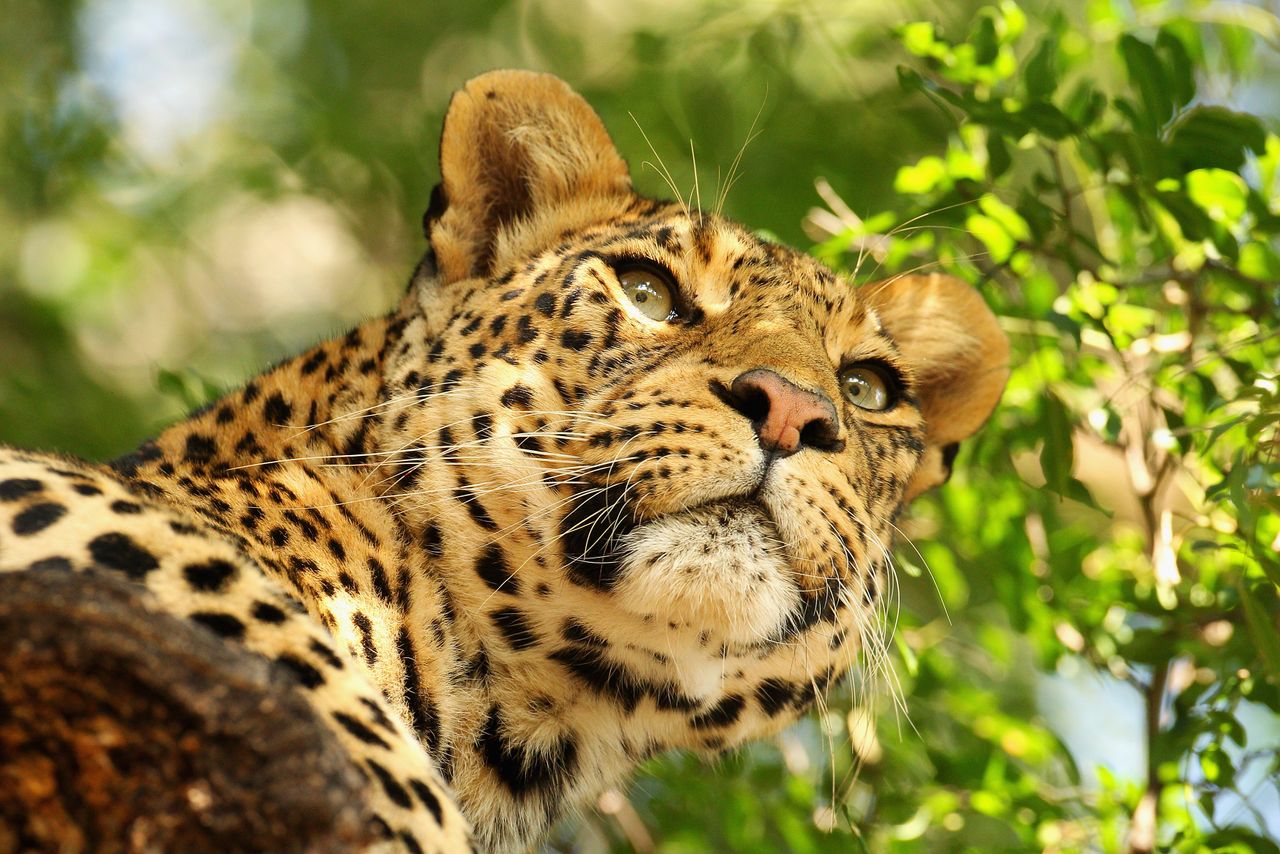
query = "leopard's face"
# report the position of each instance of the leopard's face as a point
(588, 392)
(641, 440)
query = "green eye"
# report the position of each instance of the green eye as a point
(650, 291)
(866, 388)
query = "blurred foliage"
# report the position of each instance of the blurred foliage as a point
(1087, 650)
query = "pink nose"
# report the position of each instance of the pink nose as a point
(786, 417)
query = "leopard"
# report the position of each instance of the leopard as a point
(617, 476)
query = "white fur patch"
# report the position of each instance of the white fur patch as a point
(718, 567)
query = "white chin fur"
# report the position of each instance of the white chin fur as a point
(715, 567)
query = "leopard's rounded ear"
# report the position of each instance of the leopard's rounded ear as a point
(514, 142)
(958, 355)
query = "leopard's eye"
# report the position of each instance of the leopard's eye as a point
(866, 387)
(651, 291)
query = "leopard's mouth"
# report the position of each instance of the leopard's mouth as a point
(718, 566)
(600, 531)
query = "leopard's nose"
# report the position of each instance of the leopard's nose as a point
(786, 417)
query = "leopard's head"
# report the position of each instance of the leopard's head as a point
(647, 443)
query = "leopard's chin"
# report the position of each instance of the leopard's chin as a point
(717, 567)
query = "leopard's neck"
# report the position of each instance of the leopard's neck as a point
(289, 467)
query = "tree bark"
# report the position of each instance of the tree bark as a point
(124, 729)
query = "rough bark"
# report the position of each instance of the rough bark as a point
(125, 729)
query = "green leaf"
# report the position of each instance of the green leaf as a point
(1217, 766)
(1147, 74)
(1048, 119)
(928, 174)
(1178, 66)
(1223, 195)
(998, 159)
(1000, 244)
(919, 38)
(1262, 628)
(1215, 138)
(1041, 73)
(1058, 455)
(1085, 104)
(983, 38)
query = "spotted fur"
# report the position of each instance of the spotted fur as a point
(514, 537)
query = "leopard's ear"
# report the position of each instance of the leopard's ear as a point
(514, 143)
(957, 353)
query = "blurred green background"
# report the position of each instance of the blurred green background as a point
(1083, 651)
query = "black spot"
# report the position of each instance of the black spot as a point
(774, 695)
(394, 790)
(517, 397)
(119, 551)
(51, 564)
(267, 613)
(200, 448)
(575, 632)
(722, 714)
(431, 540)
(378, 573)
(336, 549)
(222, 624)
(610, 679)
(493, 569)
(522, 771)
(545, 303)
(591, 531)
(514, 627)
(310, 366)
(525, 331)
(210, 575)
(477, 510)
(428, 798)
(377, 824)
(86, 489)
(16, 487)
(365, 626)
(279, 536)
(306, 673)
(424, 716)
(575, 339)
(37, 517)
(410, 844)
(329, 656)
(569, 302)
(126, 508)
(360, 731)
(129, 464)
(275, 410)
(814, 607)
(482, 424)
